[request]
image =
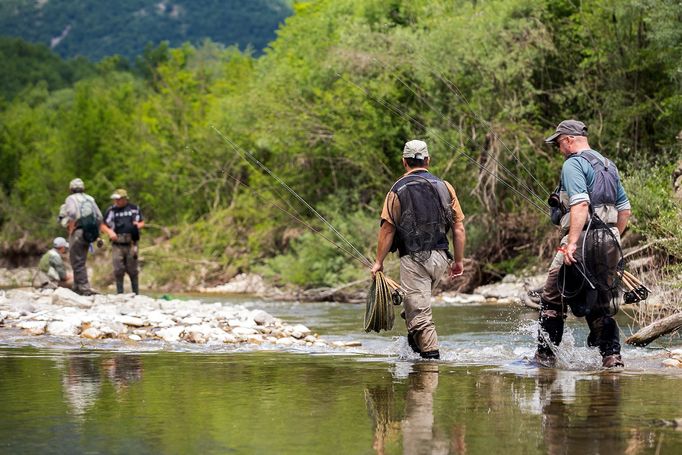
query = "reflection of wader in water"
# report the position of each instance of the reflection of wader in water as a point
(422, 222)
(590, 286)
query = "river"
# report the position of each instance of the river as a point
(59, 396)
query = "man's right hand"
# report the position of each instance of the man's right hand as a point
(113, 236)
(456, 269)
(377, 267)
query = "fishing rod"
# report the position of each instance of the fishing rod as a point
(399, 112)
(459, 128)
(253, 162)
(454, 89)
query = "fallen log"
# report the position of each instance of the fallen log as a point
(647, 334)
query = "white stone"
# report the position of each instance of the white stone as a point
(171, 334)
(91, 333)
(63, 328)
(285, 341)
(261, 317)
(301, 328)
(229, 338)
(244, 331)
(135, 337)
(68, 298)
(33, 327)
(131, 320)
(310, 339)
(192, 320)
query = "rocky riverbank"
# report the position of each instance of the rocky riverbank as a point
(62, 313)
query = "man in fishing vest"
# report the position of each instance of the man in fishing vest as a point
(82, 219)
(122, 222)
(593, 213)
(52, 272)
(418, 212)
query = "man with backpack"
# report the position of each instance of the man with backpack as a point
(592, 209)
(82, 219)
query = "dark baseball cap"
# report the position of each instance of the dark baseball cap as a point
(569, 128)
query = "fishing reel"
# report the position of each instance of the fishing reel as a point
(397, 296)
(556, 208)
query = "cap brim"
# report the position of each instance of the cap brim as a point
(115, 196)
(552, 138)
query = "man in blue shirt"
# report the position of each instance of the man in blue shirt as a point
(583, 193)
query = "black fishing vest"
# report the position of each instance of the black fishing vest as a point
(425, 214)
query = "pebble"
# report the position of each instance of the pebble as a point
(134, 337)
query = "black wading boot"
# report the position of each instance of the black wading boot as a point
(435, 355)
(612, 361)
(134, 283)
(413, 342)
(119, 285)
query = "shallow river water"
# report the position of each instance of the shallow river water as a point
(483, 396)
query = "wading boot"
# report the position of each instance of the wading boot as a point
(544, 359)
(119, 285)
(134, 283)
(612, 361)
(412, 342)
(434, 355)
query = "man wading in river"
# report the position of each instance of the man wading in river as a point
(418, 212)
(593, 210)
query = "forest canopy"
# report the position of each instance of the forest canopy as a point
(329, 106)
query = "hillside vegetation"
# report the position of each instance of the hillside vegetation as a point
(97, 29)
(328, 108)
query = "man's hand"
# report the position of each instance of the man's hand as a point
(569, 253)
(112, 235)
(377, 267)
(456, 269)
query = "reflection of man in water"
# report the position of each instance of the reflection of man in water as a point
(570, 428)
(82, 379)
(417, 425)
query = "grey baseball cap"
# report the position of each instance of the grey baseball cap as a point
(416, 149)
(569, 128)
(59, 242)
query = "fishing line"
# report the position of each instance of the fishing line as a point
(252, 159)
(407, 117)
(449, 123)
(454, 89)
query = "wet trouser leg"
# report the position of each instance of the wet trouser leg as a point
(118, 256)
(78, 254)
(603, 334)
(418, 280)
(131, 267)
(552, 313)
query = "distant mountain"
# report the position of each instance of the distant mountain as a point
(98, 28)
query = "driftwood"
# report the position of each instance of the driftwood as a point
(647, 334)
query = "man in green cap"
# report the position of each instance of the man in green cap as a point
(122, 223)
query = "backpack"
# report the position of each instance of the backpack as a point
(88, 221)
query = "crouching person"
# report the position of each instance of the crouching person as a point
(52, 271)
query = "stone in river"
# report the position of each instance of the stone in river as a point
(244, 331)
(261, 317)
(33, 327)
(91, 333)
(68, 327)
(66, 297)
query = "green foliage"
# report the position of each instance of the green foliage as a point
(97, 29)
(658, 216)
